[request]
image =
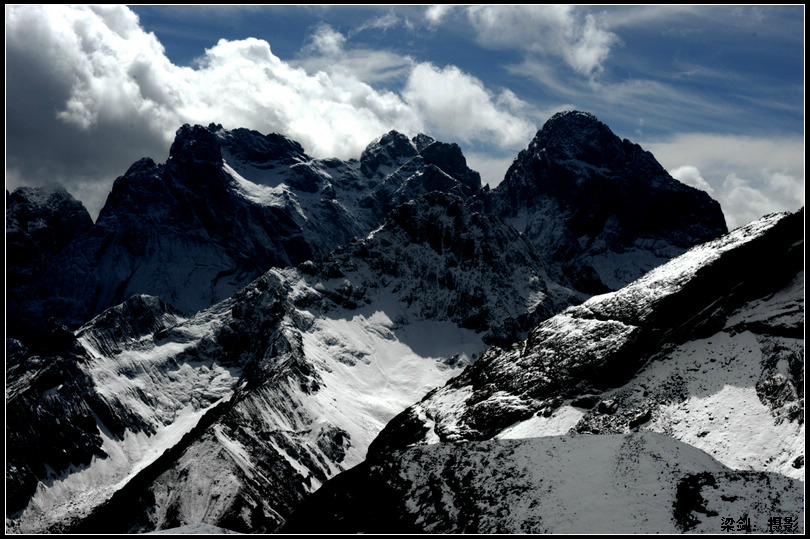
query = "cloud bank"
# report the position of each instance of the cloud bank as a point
(93, 92)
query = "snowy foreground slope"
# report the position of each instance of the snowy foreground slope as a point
(634, 483)
(707, 349)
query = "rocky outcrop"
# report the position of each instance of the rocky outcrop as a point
(40, 223)
(448, 261)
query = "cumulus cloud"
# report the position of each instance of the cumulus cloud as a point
(750, 176)
(90, 92)
(79, 83)
(457, 106)
(561, 31)
(325, 40)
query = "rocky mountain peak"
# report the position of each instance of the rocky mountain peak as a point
(575, 133)
(422, 141)
(448, 157)
(601, 204)
(41, 222)
(388, 150)
(48, 216)
(261, 151)
(195, 143)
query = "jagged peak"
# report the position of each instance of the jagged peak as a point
(195, 143)
(386, 150)
(422, 141)
(393, 140)
(251, 146)
(51, 198)
(144, 164)
(573, 131)
(41, 195)
(574, 114)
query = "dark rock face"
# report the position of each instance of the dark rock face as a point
(430, 166)
(449, 262)
(601, 207)
(40, 223)
(225, 207)
(448, 157)
(386, 153)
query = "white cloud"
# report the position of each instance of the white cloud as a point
(436, 13)
(456, 106)
(492, 169)
(325, 40)
(383, 22)
(92, 92)
(561, 31)
(325, 51)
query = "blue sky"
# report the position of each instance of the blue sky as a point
(716, 93)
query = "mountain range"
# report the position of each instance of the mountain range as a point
(243, 323)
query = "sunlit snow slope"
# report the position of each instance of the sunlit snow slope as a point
(708, 348)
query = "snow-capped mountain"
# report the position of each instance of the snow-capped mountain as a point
(224, 208)
(707, 349)
(603, 209)
(261, 316)
(228, 205)
(279, 387)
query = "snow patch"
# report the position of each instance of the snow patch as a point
(558, 423)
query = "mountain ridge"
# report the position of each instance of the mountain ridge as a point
(394, 273)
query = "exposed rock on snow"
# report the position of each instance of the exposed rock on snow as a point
(293, 376)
